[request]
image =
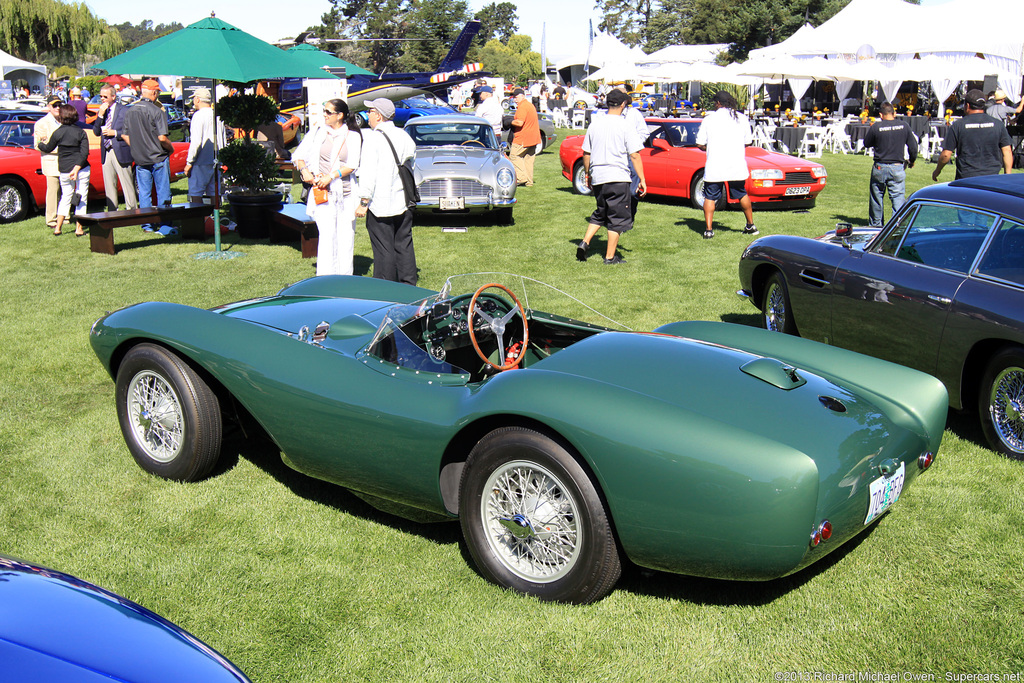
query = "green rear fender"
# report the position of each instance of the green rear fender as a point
(686, 493)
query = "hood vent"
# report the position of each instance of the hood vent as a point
(775, 372)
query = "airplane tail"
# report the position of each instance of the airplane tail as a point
(456, 56)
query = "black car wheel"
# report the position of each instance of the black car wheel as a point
(14, 200)
(533, 520)
(504, 217)
(777, 314)
(697, 193)
(1001, 403)
(170, 418)
(579, 180)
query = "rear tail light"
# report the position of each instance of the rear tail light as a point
(822, 532)
(925, 460)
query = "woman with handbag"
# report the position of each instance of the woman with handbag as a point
(72, 147)
(327, 159)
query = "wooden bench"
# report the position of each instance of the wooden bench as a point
(190, 219)
(294, 217)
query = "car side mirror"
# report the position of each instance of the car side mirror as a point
(843, 231)
(661, 144)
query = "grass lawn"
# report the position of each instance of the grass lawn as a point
(297, 580)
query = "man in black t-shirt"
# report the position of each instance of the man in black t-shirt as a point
(981, 143)
(889, 138)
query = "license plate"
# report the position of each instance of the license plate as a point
(884, 492)
(797, 190)
(453, 203)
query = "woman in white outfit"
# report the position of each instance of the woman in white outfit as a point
(327, 158)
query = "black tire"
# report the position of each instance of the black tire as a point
(776, 312)
(15, 200)
(697, 193)
(578, 559)
(1001, 403)
(504, 217)
(170, 418)
(579, 180)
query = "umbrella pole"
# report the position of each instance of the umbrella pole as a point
(217, 252)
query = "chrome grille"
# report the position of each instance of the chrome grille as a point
(453, 187)
(798, 178)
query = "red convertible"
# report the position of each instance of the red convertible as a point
(23, 188)
(674, 167)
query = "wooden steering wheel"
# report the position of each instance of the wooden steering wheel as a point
(472, 142)
(497, 326)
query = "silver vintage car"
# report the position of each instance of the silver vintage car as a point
(460, 167)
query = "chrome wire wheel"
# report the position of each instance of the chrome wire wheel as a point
(531, 521)
(775, 308)
(1006, 408)
(156, 416)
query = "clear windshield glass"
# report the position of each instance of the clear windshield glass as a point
(420, 335)
(452, 133)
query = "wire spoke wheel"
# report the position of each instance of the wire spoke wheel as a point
(532, 521)
(1006, 408)
(156, 416)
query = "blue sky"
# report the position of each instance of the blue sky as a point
(566, 19)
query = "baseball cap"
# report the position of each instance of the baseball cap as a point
(975, 98)
(76, 91)
(617, 98)
(52, 100)
(202, 94)
(483, 88)
(151, 84)
(384, 106)
(999, 95)
(517, 92)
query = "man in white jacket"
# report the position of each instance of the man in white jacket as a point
(382, 195)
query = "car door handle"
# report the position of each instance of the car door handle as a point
(813, 279)
(945, 301)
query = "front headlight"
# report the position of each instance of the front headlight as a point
(767, 174)
(506, 178)
(819, 172)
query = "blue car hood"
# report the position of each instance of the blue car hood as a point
(55, 627)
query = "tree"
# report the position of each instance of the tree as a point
(51, 32)
(144, 32)
(497, 20)
(437, 23)
(625, 19)
(667, 24)
(514, 62)
(382, 21)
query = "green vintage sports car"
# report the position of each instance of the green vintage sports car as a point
(562, 443)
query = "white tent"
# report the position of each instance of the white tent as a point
(687, 53)
(17, 69)
(895, 31)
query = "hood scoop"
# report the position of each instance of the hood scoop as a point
(775, 372)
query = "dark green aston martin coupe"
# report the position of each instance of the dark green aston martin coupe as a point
(562, 442)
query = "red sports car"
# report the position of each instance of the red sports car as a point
(674, 167)
(23, 188)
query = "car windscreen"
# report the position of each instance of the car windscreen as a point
(676, 133)
(453, 133)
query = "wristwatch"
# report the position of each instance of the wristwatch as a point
(364, 202)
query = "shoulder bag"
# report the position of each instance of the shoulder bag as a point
(412, 193)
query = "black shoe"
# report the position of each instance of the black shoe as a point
(581, 251)
(614, 260)
(751, 230)
(708, 234)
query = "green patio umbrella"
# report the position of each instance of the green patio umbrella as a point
(211, 48)
(318, 58)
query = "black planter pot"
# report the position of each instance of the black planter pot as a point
(251, 212)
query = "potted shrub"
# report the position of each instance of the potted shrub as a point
(249, 166)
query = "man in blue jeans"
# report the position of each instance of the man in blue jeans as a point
(145, 131)
(889, 138)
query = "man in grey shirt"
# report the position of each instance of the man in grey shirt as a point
(145, 131)
(1000, 110)
(611, 145)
